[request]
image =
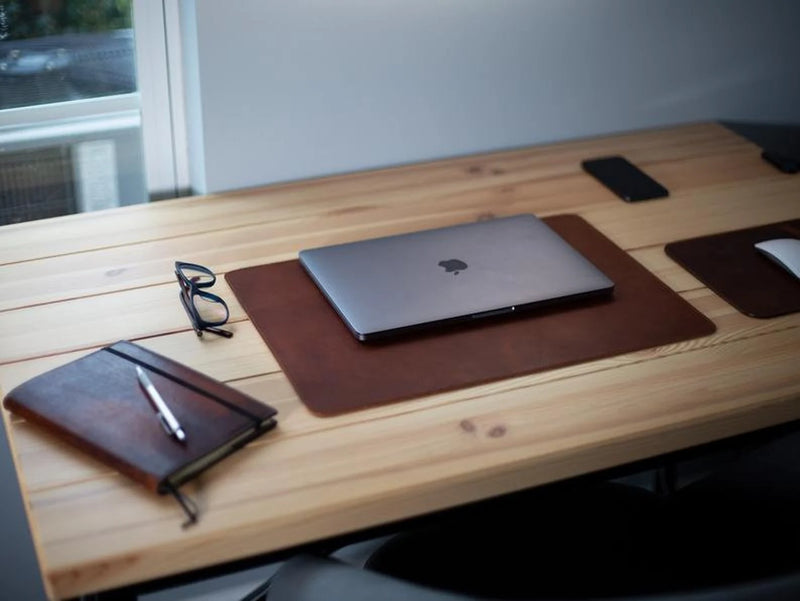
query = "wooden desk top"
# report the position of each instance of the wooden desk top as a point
(72, 284)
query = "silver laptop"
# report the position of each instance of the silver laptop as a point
(386, 286)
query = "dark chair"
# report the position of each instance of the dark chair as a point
(309, 578)
(732, 535)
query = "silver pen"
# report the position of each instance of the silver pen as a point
(171, 425)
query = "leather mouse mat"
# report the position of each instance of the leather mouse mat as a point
(333, 373)
(729, 264)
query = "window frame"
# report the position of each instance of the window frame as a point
(157, 36)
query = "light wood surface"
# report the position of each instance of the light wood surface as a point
(72, 284)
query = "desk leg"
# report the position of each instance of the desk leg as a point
(21, 576)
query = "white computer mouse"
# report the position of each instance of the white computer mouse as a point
(783, 251)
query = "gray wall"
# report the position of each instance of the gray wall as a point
(285, 90)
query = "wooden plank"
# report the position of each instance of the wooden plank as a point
(99, 320)
(715, 209)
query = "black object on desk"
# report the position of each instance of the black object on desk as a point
(781, 162)
(624, 179)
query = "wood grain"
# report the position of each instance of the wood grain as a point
(70, 285)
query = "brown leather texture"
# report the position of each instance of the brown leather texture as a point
(333, 373)
(730, 265)
(96, 404)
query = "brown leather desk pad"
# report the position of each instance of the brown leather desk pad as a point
(730, 266)
(334, 373)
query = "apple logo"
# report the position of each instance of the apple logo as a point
(453, 266)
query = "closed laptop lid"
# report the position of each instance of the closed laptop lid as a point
(387, 285)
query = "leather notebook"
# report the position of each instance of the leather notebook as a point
(333, 373)
(729, 265)
(97, 404)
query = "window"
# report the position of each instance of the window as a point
(84, 89)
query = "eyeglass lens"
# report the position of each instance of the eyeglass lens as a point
(197, 276)
(209, 310)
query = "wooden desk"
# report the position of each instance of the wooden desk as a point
(70, 285)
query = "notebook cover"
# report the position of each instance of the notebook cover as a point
(333, 373)
(729, 265)
(96, 404)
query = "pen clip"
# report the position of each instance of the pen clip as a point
(165, 424)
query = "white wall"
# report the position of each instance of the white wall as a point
(282, 90)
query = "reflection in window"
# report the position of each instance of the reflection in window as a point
(61, 50)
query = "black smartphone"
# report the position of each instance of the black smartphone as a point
(624, 178)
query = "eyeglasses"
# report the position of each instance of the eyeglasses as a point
(206, 311)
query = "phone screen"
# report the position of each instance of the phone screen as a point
(623, 178)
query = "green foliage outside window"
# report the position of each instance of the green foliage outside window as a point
(20, 19)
